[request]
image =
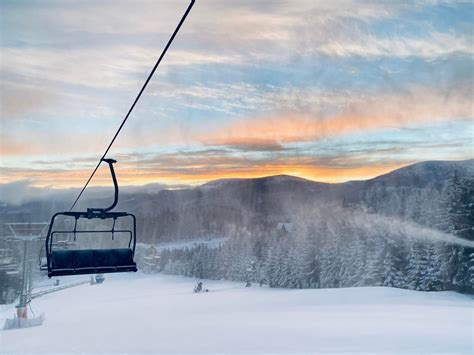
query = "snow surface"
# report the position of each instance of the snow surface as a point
(158, 313)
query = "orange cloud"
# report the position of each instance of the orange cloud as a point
(416, 107)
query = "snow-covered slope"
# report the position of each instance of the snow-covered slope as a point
(143, 313)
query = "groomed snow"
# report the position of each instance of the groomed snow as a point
(157, 313)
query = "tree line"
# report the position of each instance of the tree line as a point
(342, 247)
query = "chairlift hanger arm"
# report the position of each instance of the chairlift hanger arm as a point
(111, 163)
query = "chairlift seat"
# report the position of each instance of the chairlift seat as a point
(91, 261)
(64, 262)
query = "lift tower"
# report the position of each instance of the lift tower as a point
(31, 235)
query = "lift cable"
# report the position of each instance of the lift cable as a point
(135, 102)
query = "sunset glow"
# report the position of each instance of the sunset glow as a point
(327, 92)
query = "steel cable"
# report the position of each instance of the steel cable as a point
(135, 102)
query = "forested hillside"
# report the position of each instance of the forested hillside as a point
(412, 228)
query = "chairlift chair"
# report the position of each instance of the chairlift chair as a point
(66, 243)
(64, 260)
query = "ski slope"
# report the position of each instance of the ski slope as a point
(158, 313)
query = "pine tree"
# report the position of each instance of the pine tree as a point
(416, 266)
(372, 270)
(390, 271)
(471, 272)
(431, 280)
(273, 262)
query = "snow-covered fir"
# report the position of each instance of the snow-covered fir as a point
(412, 228)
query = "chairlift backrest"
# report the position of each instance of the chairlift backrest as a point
(62, 260)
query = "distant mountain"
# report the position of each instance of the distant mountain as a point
(414, 193)
(411, 228)
(420, 175)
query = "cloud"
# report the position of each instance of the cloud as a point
(262, 78)
(302, 115)
(53, 142)
(22, 191)
(433, 45)
(319, 161)
(16, 191)
(416, 107)
(19, 100)
(217, 33)
(93, 67)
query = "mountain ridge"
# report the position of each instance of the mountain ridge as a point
(413, 193)
(465, 164)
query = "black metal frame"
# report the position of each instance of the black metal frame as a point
(93, 213)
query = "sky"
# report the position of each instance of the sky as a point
(326, 90)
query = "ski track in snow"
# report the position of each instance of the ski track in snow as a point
(159, 313)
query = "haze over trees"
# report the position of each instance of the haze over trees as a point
(407, 229)
(412, 228)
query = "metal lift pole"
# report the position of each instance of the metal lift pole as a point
(28, 233)
(21, 307)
